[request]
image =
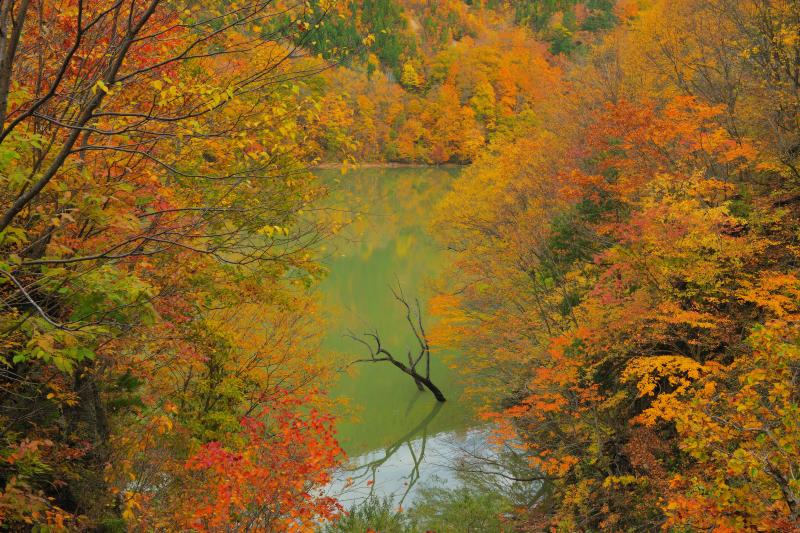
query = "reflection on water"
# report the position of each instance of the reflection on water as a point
(397, 435)
(415, 461)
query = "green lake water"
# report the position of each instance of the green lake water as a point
(388, 241)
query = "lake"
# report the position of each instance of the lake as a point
(397, 437)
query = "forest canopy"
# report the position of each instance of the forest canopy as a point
(622, 254)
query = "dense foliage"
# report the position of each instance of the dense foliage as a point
(158, 365)
(625, 276)
(434, 82)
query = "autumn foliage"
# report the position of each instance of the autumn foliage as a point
(268, 479)
(623, 280)
(452, 95)
(624, 277)
(158, 347)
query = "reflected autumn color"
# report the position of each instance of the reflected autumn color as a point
(387, 241)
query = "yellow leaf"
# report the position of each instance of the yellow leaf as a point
(103, 87)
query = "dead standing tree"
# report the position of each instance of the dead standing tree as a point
(378, 353)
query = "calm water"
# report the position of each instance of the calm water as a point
(397, 437)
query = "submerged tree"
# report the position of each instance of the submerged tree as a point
(378, 353)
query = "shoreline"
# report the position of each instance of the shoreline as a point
(331, 166)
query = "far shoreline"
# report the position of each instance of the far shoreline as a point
(349, 165)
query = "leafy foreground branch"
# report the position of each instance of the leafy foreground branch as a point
(152, 239)
(378, 353)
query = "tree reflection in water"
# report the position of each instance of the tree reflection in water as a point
(415, 441)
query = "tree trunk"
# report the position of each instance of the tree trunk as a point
(418, 378)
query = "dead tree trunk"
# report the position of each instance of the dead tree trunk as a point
(378, 353)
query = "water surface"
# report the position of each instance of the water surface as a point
(395, 435)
